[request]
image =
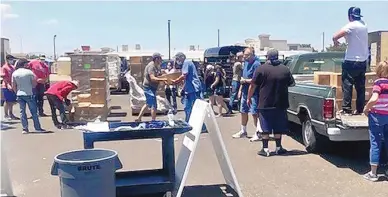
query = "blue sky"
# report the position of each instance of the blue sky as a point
(33, 24)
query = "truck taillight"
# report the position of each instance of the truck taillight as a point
(328, 109)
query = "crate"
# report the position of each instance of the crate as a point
(368, 93)
(322, 78)
(336, 79)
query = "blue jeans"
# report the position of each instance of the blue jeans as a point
(189, 101)
(31, 102)
(233, 93)
(353, 73)
(378, 130)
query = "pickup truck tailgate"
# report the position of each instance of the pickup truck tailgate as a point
(354, 120)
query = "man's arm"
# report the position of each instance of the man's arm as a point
(340, 34)
(291, 80)
(185, 71)
(33, 79)
(14, 85)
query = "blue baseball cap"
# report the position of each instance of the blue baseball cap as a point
(355, 12)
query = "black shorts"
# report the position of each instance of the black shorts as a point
(273, 121)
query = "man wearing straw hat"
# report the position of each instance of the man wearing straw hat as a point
(57, 97)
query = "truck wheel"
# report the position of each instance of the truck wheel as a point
(313, 141)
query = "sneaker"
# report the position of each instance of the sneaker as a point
(371, 177)
(256, 137)
(264, 152)
(25, 131)
(280, 151)
(240, 134)
(43, 115)
(14, 118)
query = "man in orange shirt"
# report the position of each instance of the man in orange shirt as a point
(8, 94)
(42, 73)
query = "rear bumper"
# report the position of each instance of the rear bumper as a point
(350, 134)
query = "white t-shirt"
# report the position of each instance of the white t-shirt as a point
(357, 40)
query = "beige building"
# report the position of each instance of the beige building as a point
(263, 43)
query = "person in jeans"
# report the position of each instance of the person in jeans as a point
(42, 73)
(192, 84)
(272, 79)
(8, 94)
(355, 63)
(237, 73)
(377, 111)
(23, 81)
(151, 82)
(57, 98)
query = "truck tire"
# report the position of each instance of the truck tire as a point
(312, 140)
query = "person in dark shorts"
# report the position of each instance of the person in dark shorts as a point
(272, 80)
(219, 89)
(8, 95)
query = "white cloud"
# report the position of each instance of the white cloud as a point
(6, 12)
(51, 22)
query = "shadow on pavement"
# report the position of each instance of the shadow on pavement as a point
(117, 114)
(203, 191)
(115, 107)
(350, 155)
(209, 191)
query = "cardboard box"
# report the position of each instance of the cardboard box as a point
(339, 104)
(368, 93)
(98, 73)
(98, 83)
(98, 96)
(135, 60)
(322, 78)
(370, 79)
(83, 98)
(82, 109)
(336, 80)
(98, 110)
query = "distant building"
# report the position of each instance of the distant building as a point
(263, 43)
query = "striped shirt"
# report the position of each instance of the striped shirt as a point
(381, 87)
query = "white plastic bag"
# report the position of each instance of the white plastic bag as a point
(137, 98)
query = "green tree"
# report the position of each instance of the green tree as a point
(341, 47)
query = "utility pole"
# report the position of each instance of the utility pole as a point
(323, 41)
(55, 53)
(21, 44)
(218, 37)
(169, 40)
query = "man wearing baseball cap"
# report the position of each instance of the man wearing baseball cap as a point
(272, 79)
(192, 84)
(355, 63)
(151, 82)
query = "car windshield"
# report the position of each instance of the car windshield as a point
(328, 64)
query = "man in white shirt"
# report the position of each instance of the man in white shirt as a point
(355, 63)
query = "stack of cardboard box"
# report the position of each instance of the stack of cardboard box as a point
(335, 80)
(92, 98)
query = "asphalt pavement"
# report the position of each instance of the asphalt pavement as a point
(299, 174)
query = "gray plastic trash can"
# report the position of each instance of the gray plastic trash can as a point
(87, 173)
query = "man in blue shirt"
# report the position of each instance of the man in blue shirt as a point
(192, 84)
(250, 65)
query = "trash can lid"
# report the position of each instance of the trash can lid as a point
(86, 155)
